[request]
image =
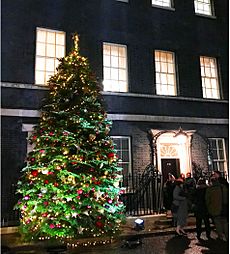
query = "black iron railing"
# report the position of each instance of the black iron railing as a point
(143, 192)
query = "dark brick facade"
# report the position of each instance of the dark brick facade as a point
(143, 29)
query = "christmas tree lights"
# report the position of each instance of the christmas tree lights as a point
(70, 186)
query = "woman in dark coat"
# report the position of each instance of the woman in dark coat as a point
(201, 211)
(180, 213)
(168, 192)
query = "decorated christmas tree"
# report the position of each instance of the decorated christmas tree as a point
(70, 186)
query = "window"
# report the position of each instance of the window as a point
(165, 73)
(123, 147)
(209, 76)
(28, 128)
(50, 45)
(125, 1)
(162, 3)
(115, 67)
(203, 7)
(218, 155)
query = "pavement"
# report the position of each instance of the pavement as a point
(156, 226)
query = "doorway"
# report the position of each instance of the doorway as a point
(170, 166)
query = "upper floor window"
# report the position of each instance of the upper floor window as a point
(50, 45)
(115, 67)
(162, 3)
(217, 147)
(165, 73)
(209, 76)
(203, 7)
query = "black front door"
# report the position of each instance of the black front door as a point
(170, 166)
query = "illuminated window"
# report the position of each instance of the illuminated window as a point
(123, 147)
(209, 76)
(203, 7)
(218, 155)
(165, 73)
(50, 45)
(115, 67)
(162, 3)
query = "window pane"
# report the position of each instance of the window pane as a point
(41, 49)
(60, 51)
(50, 37)
(114, 61)
(40, 63)
(122, 62)
(41, 36)
(60, 39)
(106, 60)
(39, 77)
(50, 50)
(122, 75)
(50, 65)
(106, 73)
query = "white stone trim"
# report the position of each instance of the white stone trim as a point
(20, 112)
(44, 87)
(127, 117)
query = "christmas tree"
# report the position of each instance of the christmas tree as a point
(70, 186)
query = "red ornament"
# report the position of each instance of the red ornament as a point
(44, 214)
(52, 226)
(56, 184)
(99, 224)
(45, 203)
(110, 155)
(34, 173)
(46, 182)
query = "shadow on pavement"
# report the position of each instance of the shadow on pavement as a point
(214, 246)
(177, 245)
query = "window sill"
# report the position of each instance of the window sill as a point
(205, 16)
(163, 7)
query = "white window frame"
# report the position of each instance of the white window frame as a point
(49, 47)
(204, 7)
(162, 3)
(165, 74)
(121, 150)
(209, 77)
(29, 129)
(219, 160)
(114, 67)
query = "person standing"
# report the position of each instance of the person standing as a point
(201, 211)
(180, 213)
(168, 192)
(216, 199)
(190, 187)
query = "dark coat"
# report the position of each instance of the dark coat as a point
(199, 201)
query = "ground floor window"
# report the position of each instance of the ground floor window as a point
(123, 147)
(218, 154)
